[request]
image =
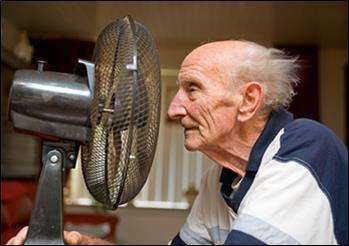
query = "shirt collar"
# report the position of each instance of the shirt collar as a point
(277, 120)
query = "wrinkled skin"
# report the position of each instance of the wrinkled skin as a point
(219, 118)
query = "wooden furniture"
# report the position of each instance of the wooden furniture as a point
(100, 224)
(17, 200)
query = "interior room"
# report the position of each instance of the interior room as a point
(61, 32)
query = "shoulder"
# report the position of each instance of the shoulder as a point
(301, 186)
(303, 130)
(311, 142)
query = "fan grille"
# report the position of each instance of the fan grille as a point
(125, 114)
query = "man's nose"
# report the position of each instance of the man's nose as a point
(176, 109)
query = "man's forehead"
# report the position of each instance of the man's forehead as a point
(212, 54)
(214, 47)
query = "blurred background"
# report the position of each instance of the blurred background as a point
(60, 32)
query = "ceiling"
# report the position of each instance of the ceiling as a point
(182, 23)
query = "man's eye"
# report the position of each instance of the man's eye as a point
(192, 88)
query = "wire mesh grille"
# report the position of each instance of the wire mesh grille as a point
(125, 114)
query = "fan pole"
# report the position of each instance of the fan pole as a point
(46, 222)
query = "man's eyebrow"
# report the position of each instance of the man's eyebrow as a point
(184, 83)
(184, 80)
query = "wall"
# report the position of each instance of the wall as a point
(9, 34)
(148, 226)
(20, 154)
(141, 226)
(332, 89)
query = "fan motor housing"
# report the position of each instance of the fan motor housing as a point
(52, 103)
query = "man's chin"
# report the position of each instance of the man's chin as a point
(191, 139)
(190, 146)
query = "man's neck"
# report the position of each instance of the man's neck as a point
(234, 150)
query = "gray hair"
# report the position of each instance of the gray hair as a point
(272, 68)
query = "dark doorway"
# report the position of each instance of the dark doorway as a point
(62, 55)
(305, 103)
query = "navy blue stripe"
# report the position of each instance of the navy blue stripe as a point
(316, 147)
(241, 238)
(277, 120)
(227, 177)
(177, 240)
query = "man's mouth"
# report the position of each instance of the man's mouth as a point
(190, 129)
(188, 126)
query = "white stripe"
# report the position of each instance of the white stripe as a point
(159, 163)
(218, 235)
(185, 170)
(172, 168)
(284, 195)
(262, 231)
(191, 237)
(198, 168)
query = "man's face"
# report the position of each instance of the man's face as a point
(205, 103)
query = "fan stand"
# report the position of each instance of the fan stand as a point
(46, 222)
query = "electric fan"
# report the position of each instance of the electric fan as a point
(111, 107)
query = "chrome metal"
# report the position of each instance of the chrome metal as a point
(51, 103)
(108, 110)
(71, 157)
(54, 159)
(132, 66)
(41, 65)
(90, 67)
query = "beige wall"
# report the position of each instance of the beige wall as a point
(141, 226)
(148, 226)
(332, 89)
(9, 34)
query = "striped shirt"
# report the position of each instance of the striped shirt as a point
(295, 191)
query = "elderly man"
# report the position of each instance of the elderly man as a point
(277, 180)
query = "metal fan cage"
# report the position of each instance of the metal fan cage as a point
(125, 113)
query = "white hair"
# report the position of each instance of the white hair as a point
(272, 68)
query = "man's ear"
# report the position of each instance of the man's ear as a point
(252, 95)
